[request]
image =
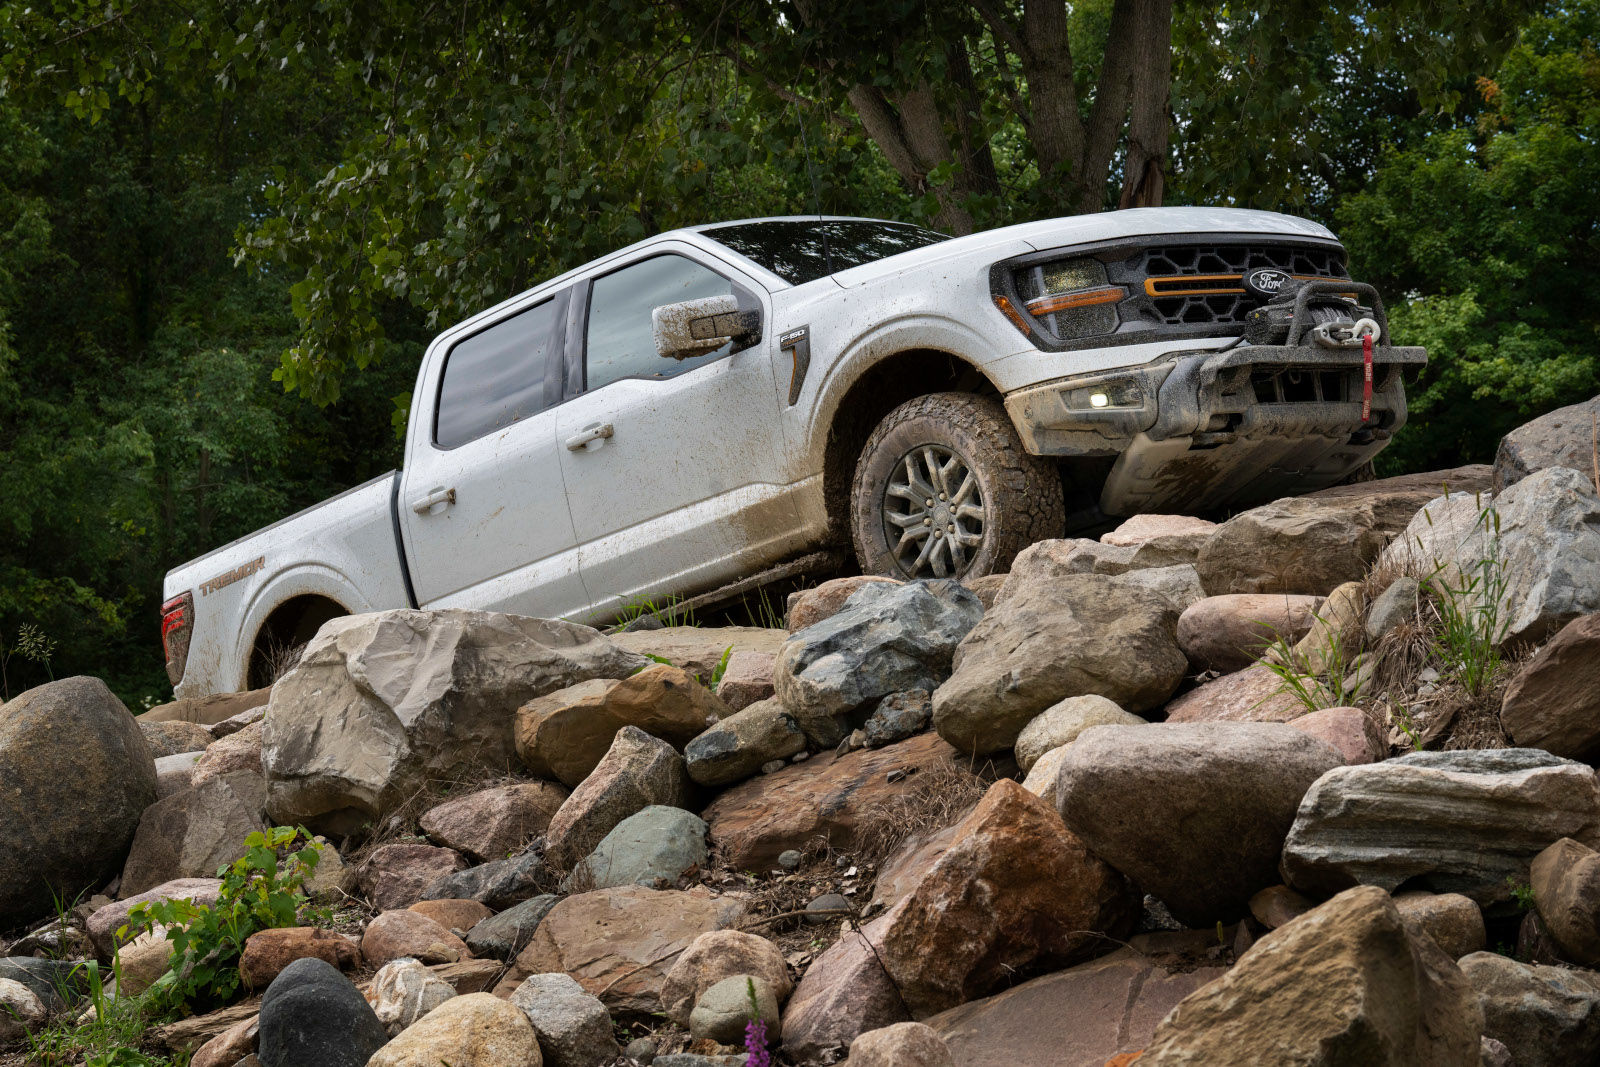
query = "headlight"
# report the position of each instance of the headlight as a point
(1071, 297)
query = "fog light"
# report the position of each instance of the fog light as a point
(1098, 400)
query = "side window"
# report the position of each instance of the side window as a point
(497, 376)
(620, 342)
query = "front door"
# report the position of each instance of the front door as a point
(672, 467)
(482, 502)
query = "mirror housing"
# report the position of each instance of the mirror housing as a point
(698, 327)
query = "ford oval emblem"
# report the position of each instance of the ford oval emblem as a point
(1267, 282)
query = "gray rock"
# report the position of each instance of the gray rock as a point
(653, 847)
(1058, 558)
(1545, 1016)
(1060, 724)
(504, 935)
(723, 1011)
(192, 833)
(636, 772)
(48, 979)
(1562, 438)
(499, 885)
(888, 638)
(174, 774)
(21, 1011)
(1180, 584)
(78, 775)
(1056, 638)
(381, 703)
(311, 1014)
(738, 746)
(1393, 606)
(1547, 551)
(642, 1049)
(692, 1059)
(828, 908)
(403, 991)
(1296, 545)
(791, 859)
(1194, 813)
(1451, 822)
(574, 1028)
(899, 716)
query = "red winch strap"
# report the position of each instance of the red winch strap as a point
(1366, 377)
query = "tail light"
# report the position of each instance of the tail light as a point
(1071, 298)
(177, 627)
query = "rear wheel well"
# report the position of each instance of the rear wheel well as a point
(885, 386)
(285, 633)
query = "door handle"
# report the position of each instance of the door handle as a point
(424, 505)
(596, 432)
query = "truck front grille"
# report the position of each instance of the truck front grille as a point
(1202, 284)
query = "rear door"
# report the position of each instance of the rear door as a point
(482, 502)
(673, 468)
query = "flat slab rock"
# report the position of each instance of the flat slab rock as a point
(1451, 822)
(1079, 1017)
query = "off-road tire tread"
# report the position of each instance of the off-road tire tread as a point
(1028, 503)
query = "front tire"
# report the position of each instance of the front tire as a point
(944, 489)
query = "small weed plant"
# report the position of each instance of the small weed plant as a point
(720, 669)
(32, 645)
(1339, 685)
(1521, 892)
(259, 891)
(668, 611)
(109, 1039)
(1470, 611)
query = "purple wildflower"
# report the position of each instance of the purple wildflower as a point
(755, 1043)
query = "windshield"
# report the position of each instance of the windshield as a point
(803, 250)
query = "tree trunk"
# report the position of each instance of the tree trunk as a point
(1144, 167)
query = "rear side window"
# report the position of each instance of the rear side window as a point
(497, 376)
(621, 338)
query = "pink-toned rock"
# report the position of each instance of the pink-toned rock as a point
(717, 955)
(825, 796)
(844, 993)
(268, 952)
(747, 679)
(394, 876)
(1014, 892)
(1142, 528)
(620, 943)
(1553, 703)
(240, 751)
(1080, 1017)
(492, 824)
(452, 914)
(107, 920)
(1251, 695)
(900, 1045)
(1228, 633)
(1278, 904)
(409, 933)
(811, 606)
(1352, 731)
(638, 771)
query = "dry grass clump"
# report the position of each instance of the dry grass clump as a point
(939, 796)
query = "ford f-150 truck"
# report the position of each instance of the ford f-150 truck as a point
(716, 402)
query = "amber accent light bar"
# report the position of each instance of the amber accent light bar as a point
(1011, 313)
(1048, 305)
(1209, 284)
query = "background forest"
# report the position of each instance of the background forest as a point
(229, 228)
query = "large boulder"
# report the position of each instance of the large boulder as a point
(1347, 983)
(888, 638)
(78, 775)
(1562, 438)
(1195, 814)
(1452, 822)
(620, 943)
(380, 703)
(1052, 639)
(1394, 502)
(1013, 894)
(1553, 702)
(1111, 555)
(193, 833)
(1143, 529)
(1079, 1017)
(810, 606)
(1255, 694)
(1566, 889)
(698, 649)
(901, 1045)
(507, 933)
(1229, 632)
(741, 744)
(1545, 1016)
(1538, 542)
(1296, 545)
(844, 993)
(491, 824)
(637, 771)
(406, 934)
(747, 678)
(565, 734)
(826, 797)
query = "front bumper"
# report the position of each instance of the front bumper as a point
(1203, 430)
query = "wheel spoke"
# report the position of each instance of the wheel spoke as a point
(969, 485)
(906, 521)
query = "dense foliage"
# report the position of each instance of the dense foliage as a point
(231, 226)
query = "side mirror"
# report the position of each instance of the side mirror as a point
(696, 327)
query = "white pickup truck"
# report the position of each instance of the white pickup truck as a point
(719, 402)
